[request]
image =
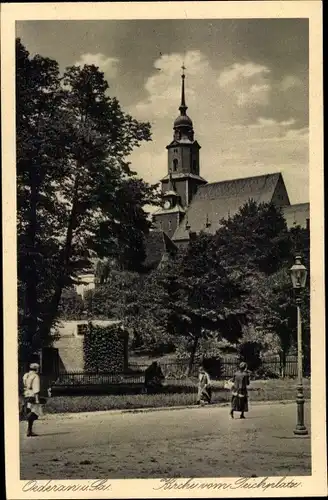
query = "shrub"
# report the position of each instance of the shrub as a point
(263, 373)
(250, 352)
(105, 349)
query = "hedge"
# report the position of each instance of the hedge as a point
(105, 349)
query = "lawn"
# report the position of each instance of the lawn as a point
(260, 390)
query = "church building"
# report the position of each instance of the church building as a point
(191, 205)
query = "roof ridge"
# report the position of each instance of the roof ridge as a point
(240, 179)
(293, 205)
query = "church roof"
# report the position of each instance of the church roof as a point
(183, 175)
(184, 140)
(219, 200)
(157, 244)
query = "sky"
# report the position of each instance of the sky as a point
(246, 87)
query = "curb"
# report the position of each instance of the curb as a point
(88, 414)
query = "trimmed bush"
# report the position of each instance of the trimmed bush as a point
(105, 349)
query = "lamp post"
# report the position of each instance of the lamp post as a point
(298, 274)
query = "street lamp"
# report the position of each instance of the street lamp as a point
(298, 274)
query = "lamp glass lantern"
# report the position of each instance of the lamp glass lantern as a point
(298, 273)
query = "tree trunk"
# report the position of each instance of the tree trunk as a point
(63, 265)
(31, 275)
(29, 327)
(282, 356)
(192, 354)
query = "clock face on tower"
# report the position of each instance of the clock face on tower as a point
(167, 204)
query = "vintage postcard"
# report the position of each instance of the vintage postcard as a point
(163, 221)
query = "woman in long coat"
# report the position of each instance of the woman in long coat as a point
(239, 399)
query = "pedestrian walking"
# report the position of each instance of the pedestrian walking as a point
(204, 387)
(239, 398)
(33, 408)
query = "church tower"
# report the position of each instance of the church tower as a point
(182, 179)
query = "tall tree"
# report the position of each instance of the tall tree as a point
(40, 165)
(77, 196)
(275, 299)
(202, 295)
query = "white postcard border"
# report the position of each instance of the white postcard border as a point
(314, 485)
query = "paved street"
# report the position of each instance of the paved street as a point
(197, 442)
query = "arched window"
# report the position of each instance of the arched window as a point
(194, 166)
(175, 164)
(170, 225)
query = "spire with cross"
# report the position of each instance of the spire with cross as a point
(183, 108)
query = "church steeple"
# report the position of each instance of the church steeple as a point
(182, 179)
(183, 127)
(183, 108)
(183, 155)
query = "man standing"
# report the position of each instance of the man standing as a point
(31, 381)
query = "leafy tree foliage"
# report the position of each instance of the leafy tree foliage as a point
(202, 295)
(136, 300)
(237, 282)
(40, 147)
(77, 197)
(71, 306)
(219, 289)
(277, 313)
(255, 239)
(275, 305)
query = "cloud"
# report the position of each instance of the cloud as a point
(106, 64)
(164, 86)
(270, 122)
(302, 134)
(226, 107)
(288, 123)
(289, 82)
(296, 135)
(238, 72)
(151, 163)
(249, 83)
